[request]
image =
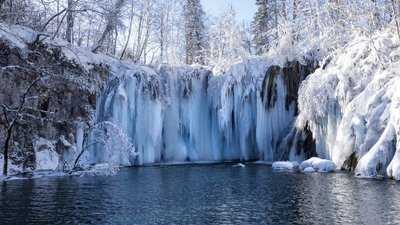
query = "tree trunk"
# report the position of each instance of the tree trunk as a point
(70, 22)
(111, 24)
(137, 45)
(284, 14)
(129, 34)
(162, 38)
(6, 148)
(396, 16)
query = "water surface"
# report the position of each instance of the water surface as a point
(201, 194)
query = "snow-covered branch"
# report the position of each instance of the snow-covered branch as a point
(111, 140)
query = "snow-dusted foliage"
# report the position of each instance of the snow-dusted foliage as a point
(176, 114)
(354, 115)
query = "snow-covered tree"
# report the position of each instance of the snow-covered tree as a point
(111, 140)
(18, 115)
(315, 28)
(195, 32)
(111, 23)
(227, 40)
(263, 22)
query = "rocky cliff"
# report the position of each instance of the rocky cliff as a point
(46, 93)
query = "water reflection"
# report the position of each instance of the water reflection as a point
(201, 194)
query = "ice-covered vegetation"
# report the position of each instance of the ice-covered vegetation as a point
(354, 115)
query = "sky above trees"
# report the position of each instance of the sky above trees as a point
(245, 9)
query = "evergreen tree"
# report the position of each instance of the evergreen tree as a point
(265, 22)
(260, 26)
(195, 30)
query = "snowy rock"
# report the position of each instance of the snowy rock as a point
(320, 165)
(56, 102)
(239, 165)
(285, 165)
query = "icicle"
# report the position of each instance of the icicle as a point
(188, 114)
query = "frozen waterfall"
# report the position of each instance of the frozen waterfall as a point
(177, 114)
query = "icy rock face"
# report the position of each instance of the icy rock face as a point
(190, 114)
(351, 106)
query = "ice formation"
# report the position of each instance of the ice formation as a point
(176, 114)
(354, 115)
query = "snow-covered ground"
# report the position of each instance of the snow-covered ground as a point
(352, 106)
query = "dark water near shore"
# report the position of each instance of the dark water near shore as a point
(201, 194)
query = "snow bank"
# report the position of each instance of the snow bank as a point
(354, 116)
(285, 165)
(318, 164)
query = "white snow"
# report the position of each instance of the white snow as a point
(318, 164)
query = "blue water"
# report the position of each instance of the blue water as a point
(201, 194)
